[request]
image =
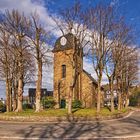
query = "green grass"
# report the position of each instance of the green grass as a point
(31, 112)
(92, 112)
(63, 112)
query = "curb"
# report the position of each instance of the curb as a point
(131, 137)
(67, 119)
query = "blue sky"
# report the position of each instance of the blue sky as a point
(130, 9)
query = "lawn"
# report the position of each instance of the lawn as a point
(92, 112)
(63, 112)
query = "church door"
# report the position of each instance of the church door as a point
(63, 103)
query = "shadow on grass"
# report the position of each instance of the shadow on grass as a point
(76, 109)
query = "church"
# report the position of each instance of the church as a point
(64, 70)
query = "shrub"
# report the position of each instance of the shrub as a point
(135, 97)
(76, 104)
(133, 101)
(1, 104)
(2, 107)
(27, 106)
(48, 102)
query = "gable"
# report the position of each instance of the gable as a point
(90, 77)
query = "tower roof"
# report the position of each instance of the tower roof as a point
(71, 41)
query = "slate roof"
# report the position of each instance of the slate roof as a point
(91, 78)
(69, 45)
(44, 92)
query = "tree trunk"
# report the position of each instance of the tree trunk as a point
(72, 88)
(126, 101)
(119, 94)
(10, 91)
(70, 101)
(7, 97)
(119, 101)
(112, 95)
(127, 98)
(122, 101)
(20, 95)
(58, 98)
(38, 87)
(14, 102)
(15, 97)
(99, 97)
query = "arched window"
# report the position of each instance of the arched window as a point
(63, 71)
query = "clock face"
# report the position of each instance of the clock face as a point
(63, 41)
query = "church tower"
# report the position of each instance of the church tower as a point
(68, 62)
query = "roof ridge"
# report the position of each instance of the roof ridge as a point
(89, 75)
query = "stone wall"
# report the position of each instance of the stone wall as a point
(88, 91)
(61, 85)
(85, 85)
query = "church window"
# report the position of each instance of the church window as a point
(63, 71)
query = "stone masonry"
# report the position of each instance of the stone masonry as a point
(64, 56)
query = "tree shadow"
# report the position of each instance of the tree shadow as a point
(82, 129)
(133, 119)
(69, 129)
(75, 110)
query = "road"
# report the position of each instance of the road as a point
(128, 128)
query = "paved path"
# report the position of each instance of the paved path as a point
(128, 128)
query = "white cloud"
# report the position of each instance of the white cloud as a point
(88, 66)
(2, 89)
(28, 7)
(114, 2)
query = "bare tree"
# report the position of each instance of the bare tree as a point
(128, 74)
(73, 20)
(121, 39)
(6, 64)
(18, 25)
(102, 23)
(39, 39)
